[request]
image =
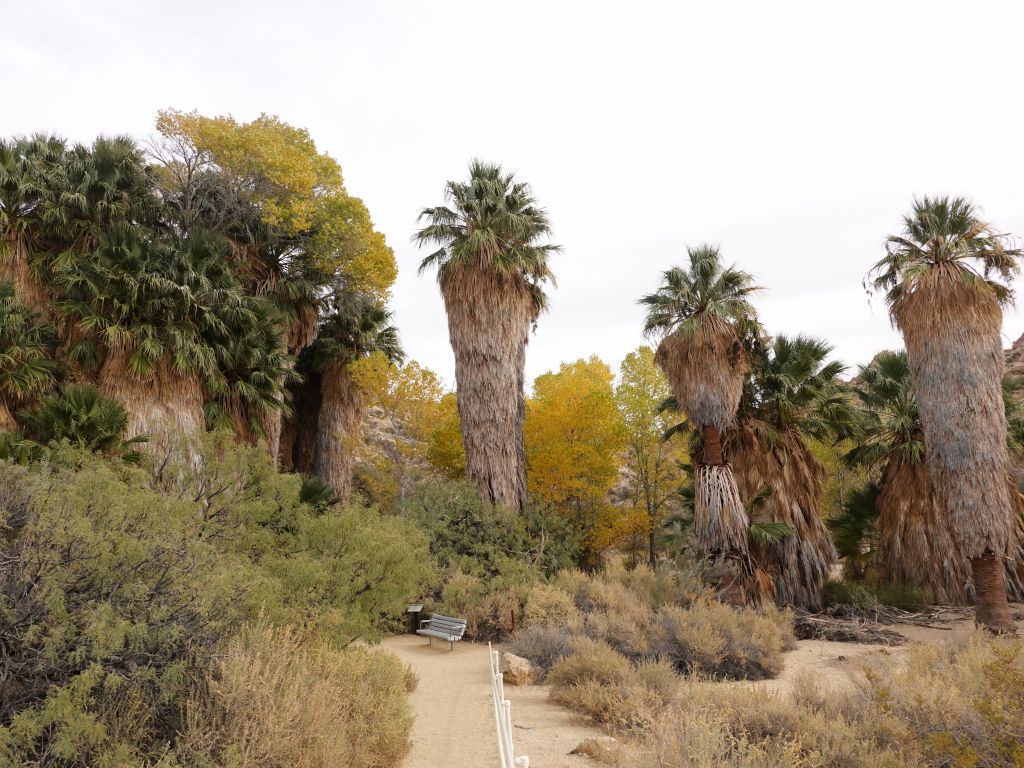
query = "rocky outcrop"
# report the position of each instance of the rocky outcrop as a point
(516, 670)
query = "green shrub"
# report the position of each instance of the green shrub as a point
(713, 639)
(869, 597)
(117, 582)
(273, 701)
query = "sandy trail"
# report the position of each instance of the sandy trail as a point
(455, 717)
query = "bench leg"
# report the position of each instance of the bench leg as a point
(452, 644)
(430, 640)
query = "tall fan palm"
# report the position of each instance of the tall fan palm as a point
(946, 278)
(914, 543)
(357, 326)
(492, 266)
(27, 367)
(702, 314)
(793, 394)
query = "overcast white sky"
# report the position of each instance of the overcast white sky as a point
(792, 133)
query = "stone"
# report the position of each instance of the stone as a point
(516, 670)
(597, 748)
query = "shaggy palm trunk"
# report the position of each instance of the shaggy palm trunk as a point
(7, 422)
(14, 267)
(489, 321)
(798, 564)
(952, 331)
(337, 432)
(916, 545)
(705, 372)
(165, 405)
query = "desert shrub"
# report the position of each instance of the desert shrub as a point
(492, 607)
(601, 684)
(118, 582)
(543, 645)
(271, 700)
(869, 597)
(590, 660)
(712, 639)
(468, 534)
(548, 604)
(571, 581)
(955, 705)
(627, 629)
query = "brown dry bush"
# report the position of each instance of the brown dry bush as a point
(955, 706)
(272, 701)
(543, 645)
(549, 605)
(715, 640)
(601, 684)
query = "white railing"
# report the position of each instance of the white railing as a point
(503, 715)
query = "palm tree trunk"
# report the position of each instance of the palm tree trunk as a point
(798, 564)
(721, 524)
(166, 403)
(916, 545)
(489, 320)
(15, 268)
(952, 332)
(991, 609)
(7, 422)
(341, 415)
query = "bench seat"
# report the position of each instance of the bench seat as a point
(442, 627)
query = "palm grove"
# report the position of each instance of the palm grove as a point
(223, 279)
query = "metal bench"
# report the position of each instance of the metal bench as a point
(443, 628)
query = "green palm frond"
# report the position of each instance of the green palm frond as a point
(946, 233)
(490, 222)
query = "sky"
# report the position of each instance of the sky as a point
(793, 134)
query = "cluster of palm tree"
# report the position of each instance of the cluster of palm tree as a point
(168, 293)
(931, 424)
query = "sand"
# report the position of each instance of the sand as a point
(455, 717)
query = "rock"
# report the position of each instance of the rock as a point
(597, 748)
(516, 670)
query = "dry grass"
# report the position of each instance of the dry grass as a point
(955, 706)
(272, 701)
(543, 645)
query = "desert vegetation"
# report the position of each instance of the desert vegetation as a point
(222, 480)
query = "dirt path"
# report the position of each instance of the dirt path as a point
(455, 717)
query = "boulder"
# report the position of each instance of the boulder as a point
(603, 748)
(516, 670)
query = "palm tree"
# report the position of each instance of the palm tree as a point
(913, 542)
(946, 278)
(491, 267)
(357, 326)
(153, 312)
(27, 367)
(703, 315)
(83, 417)
(28, 169)
(793, 394)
